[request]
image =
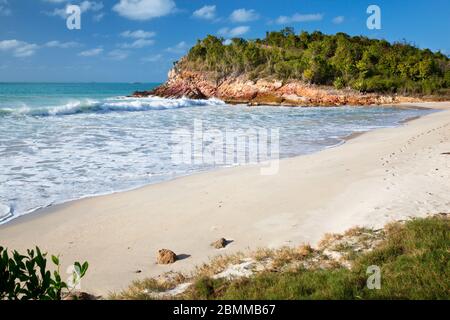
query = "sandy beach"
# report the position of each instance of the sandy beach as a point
(374, 178)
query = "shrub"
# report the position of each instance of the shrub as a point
(26, 277)
(339, 83)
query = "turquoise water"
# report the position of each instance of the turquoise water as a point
(38, 96)
(60, 142)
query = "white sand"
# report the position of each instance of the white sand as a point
(383, 175)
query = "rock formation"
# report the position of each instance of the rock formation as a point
(241, 90)
(166, 256)
(220, 244)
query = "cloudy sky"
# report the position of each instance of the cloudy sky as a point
(138, 40)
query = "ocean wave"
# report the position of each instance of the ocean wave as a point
(5, 213)
(117, 104)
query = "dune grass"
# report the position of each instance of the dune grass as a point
(414, 260)
(413, 257)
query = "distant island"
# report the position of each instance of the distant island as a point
(304, 69)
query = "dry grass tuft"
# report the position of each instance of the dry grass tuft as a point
(218, 264)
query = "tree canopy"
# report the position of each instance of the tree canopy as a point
(367, 65)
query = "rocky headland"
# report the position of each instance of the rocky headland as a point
(307, 69)
(268, 91)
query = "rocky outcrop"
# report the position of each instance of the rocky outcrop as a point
(220, 244)
(239, 89)
(166, 256)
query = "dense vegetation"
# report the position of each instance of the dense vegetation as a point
(364, 64)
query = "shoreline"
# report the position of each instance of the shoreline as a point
(55, 206)
(316, 193)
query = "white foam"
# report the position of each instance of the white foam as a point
(5, 212)
(116, 104)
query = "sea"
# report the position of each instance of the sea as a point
(65, 141)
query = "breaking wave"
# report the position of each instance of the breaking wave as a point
(117, 104)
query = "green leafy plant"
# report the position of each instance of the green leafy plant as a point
(26, 277)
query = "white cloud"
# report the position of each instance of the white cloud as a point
(297, 17)
(26, 50)
(99, 16)
(234, 32)
(179, 48)
(91, 6)
(137, 44)
(58, 13)
(153, 58)
(138, 34)
(8, 44)
(62, 45)
(144, 9)
(141, 38)
(22, 49)
(118, 55)
(206, 12)
(338, 19)
(91, 52)
(244, 15)
(19, 49)
(85, 6)
(4, 8)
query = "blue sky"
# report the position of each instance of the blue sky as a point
(138, 40)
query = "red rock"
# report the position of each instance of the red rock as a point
(204, 85)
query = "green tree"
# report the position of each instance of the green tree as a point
(359, 62)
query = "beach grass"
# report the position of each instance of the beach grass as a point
(414, 260)
(413, 257)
